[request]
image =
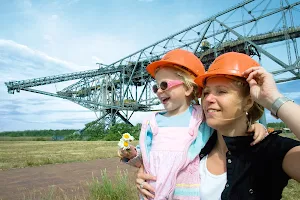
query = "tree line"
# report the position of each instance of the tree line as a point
(277, 125)
(95, 131)
(99, 132)
(37, 133)
(92, 131)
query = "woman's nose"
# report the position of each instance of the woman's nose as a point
(210, 98)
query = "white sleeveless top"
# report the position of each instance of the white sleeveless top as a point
(211, 186)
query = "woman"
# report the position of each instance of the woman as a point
(229, 167)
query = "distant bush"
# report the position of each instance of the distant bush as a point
(277, 125)
(92, 132)
(8, 138)
(37, 133)
(116, 131)
(96, 132)
(73, 137)
(41, 139)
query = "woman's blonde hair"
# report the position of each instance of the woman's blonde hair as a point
(256, 111)
(188, 80)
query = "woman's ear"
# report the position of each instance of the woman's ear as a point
(248, 103)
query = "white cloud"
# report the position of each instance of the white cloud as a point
(97, 60)
(26, 4)
(87, 49)
(54, 17)
(71, 2)
(48, 38)
(26, 110)
(139, 117)
(9, 49)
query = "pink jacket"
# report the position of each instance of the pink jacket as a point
(172, 154)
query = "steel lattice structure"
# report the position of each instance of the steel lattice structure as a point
(118, 90)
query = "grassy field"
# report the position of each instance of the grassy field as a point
(289, 135)
(102, 188)
(124, 189)
(291, 191)
(16, 154)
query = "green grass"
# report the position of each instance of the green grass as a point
(18, 154)
(56, 193)
(102, 188)
(122, 188)
(291, 191)
(106, 189)
(289, 135)
(14, 154)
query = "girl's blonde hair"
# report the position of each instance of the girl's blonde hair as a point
(188, 80)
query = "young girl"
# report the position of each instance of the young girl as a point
(171, 141)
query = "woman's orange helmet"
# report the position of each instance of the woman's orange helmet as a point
(181, 59)
(232, 63)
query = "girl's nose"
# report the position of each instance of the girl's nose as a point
(159, 91)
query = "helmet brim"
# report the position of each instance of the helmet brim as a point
(151, 68)
(200, 80)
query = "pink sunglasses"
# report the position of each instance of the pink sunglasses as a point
(165, 85)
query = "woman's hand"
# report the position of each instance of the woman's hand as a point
(145, 188)
(262, 86)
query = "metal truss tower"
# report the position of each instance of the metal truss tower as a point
(118, 90)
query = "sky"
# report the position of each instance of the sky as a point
(49, 37)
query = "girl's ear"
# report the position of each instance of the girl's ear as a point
(189, 91)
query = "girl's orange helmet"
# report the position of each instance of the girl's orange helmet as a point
(232, 63)
(182, 59)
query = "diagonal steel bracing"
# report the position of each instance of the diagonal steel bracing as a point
(118, 90)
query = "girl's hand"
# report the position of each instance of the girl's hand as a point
(130, 153)
(260, 132)
(143, 187)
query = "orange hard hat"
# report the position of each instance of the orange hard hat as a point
(183, 59)
(232, 63)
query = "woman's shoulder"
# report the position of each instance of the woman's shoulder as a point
(286, 139)
(278, 144)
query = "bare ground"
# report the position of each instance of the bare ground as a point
(68, 179)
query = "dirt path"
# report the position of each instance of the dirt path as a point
(68, 178)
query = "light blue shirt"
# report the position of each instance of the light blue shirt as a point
(181, 120)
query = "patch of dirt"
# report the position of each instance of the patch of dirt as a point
(69, 179)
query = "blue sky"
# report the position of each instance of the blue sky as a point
(43, 38)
